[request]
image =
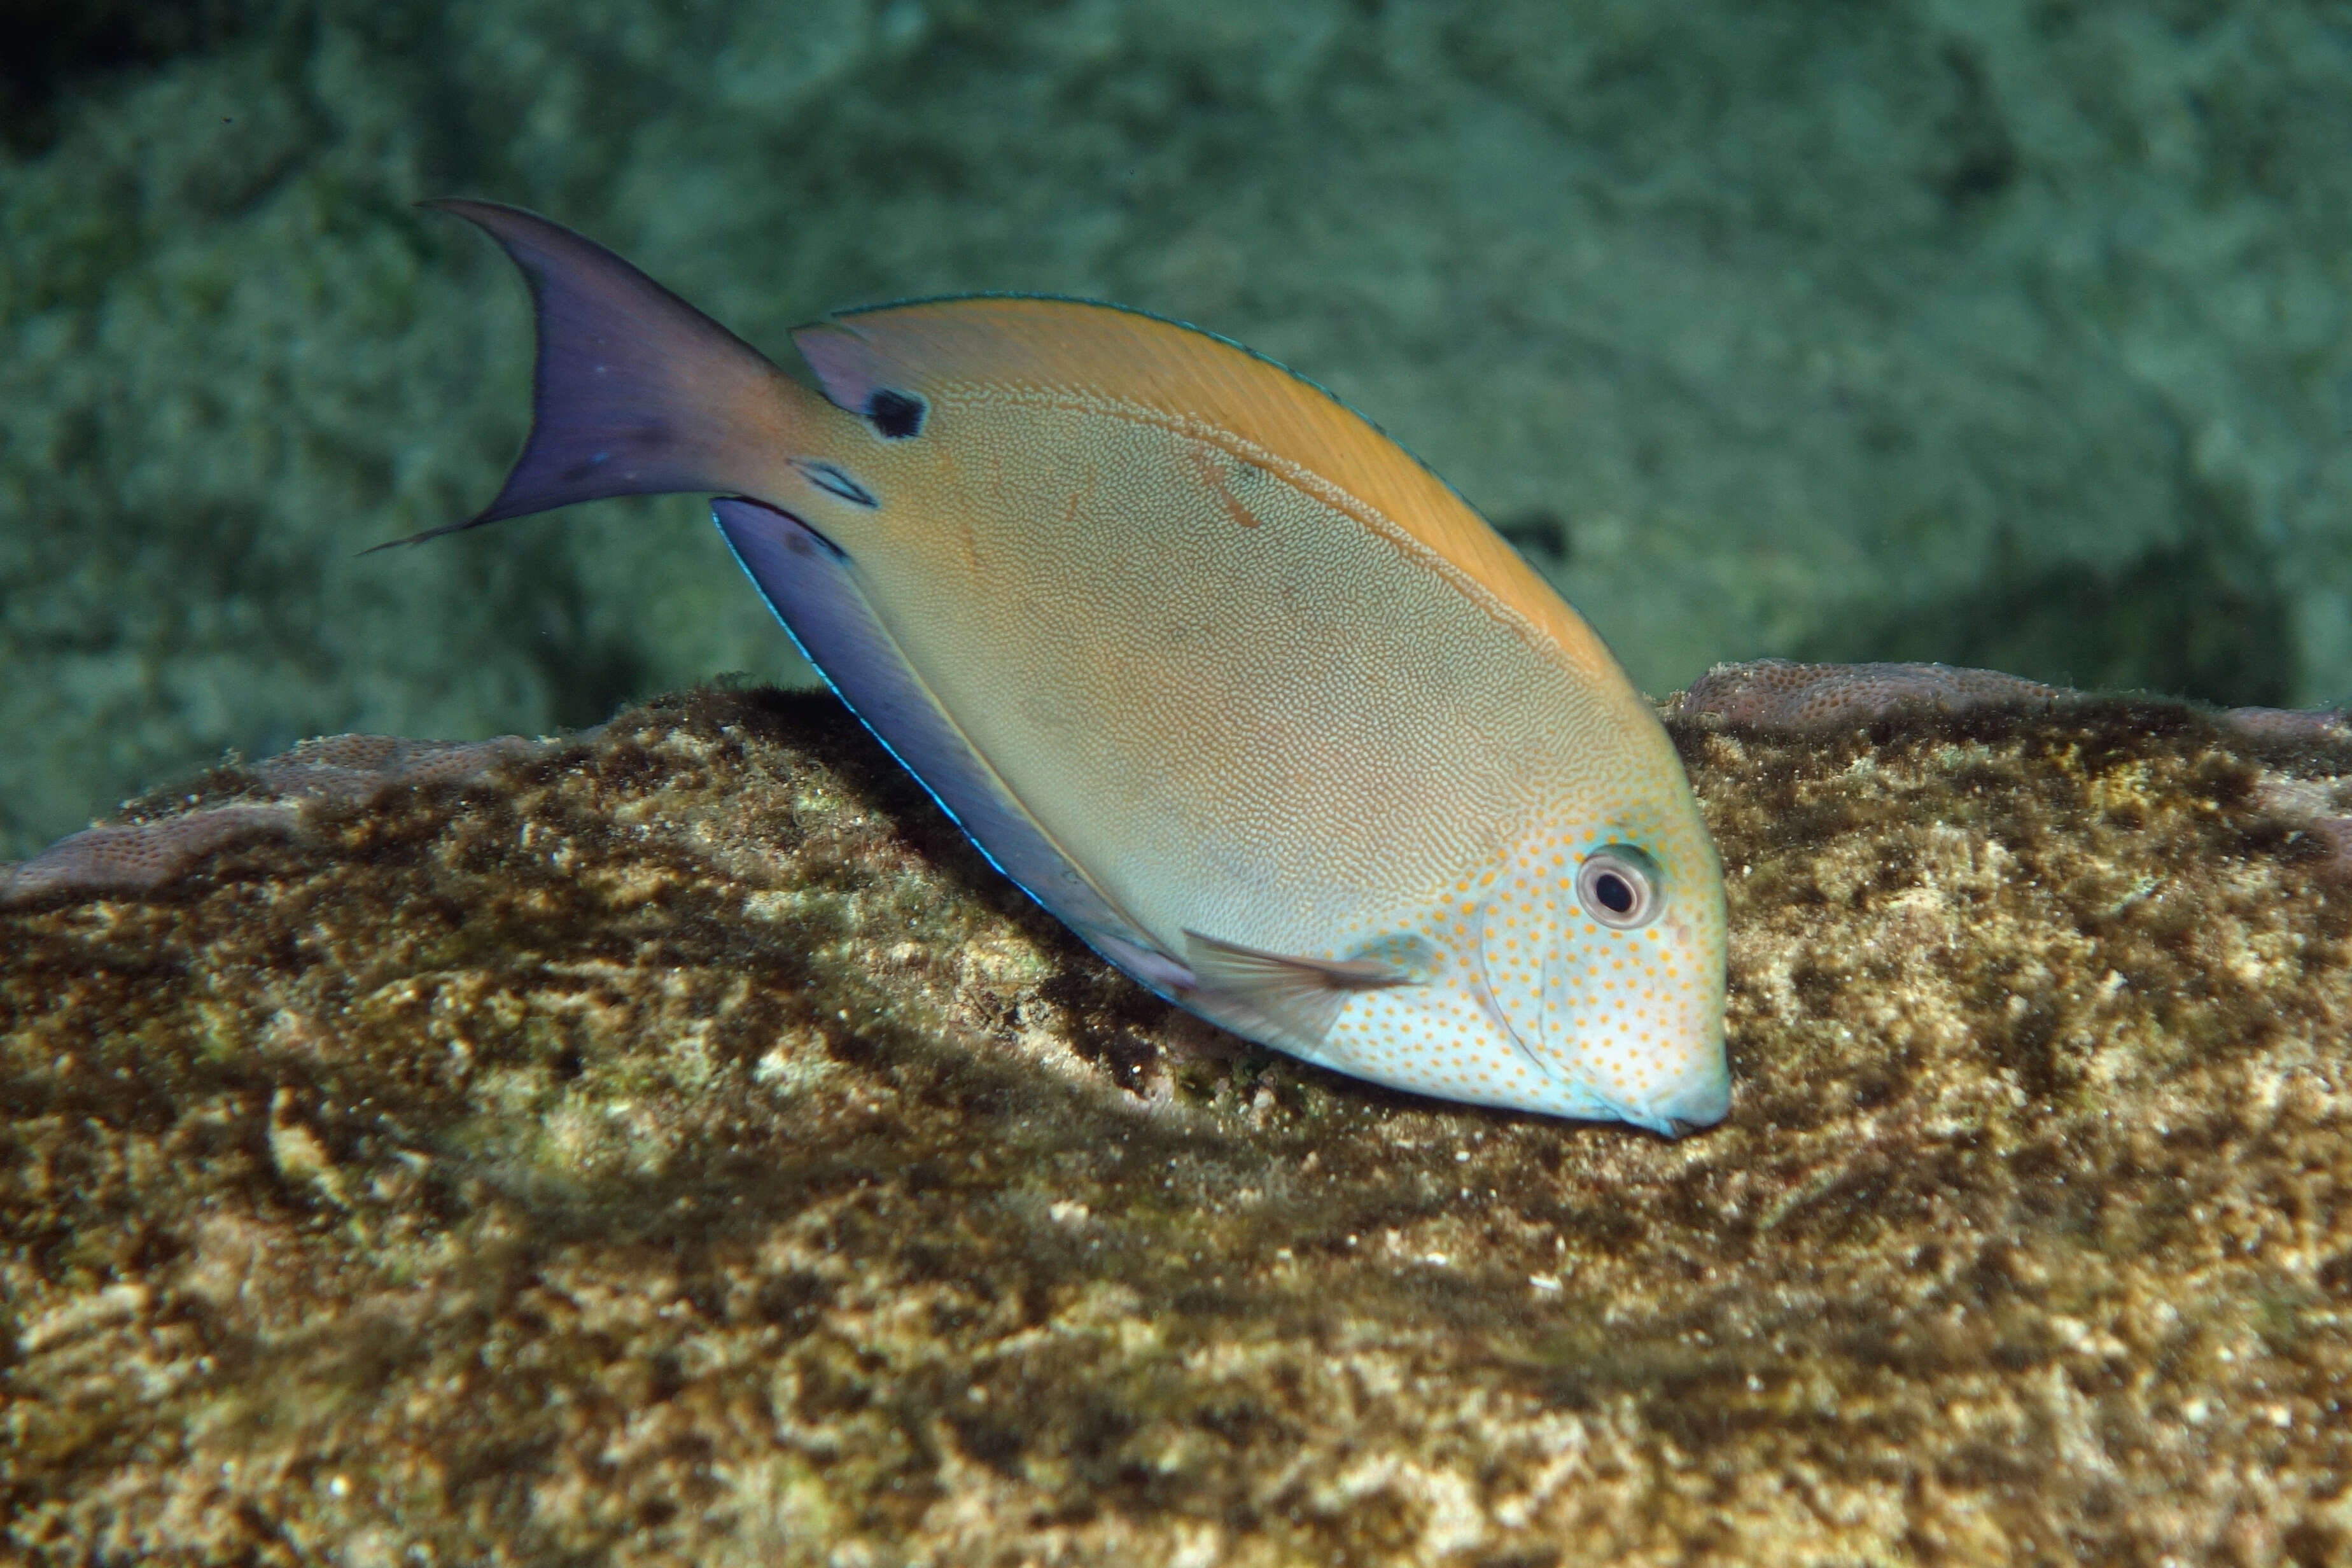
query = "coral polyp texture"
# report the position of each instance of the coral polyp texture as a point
(675, 1146)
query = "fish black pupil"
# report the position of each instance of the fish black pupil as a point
(896, 414)
(1616, 894)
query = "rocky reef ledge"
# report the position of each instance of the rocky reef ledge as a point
(678, 1147)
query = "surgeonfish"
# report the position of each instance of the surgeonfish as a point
(1218, 673)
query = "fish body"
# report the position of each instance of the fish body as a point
(1219, 674)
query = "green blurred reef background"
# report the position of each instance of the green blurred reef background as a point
(2001, 333)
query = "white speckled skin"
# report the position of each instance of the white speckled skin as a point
(1261, 707)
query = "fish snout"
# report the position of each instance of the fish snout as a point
(1647, 1039)
(1692, 1088)
(1700, 1100)
(1681, 1090)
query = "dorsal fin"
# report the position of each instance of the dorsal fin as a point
(1193, 381)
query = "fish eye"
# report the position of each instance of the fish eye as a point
(1618, 886)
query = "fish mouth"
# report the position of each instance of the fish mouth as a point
(1668, 1127)
(1663, 1126)
(1695, 1109)
(1699, 1106)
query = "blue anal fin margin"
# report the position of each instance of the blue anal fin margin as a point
(808, 582)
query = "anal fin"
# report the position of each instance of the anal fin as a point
(811, 585)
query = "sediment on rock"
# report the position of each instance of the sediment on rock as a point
(677, 1146)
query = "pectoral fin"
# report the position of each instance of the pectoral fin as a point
(1284, 1001)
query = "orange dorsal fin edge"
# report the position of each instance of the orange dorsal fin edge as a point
(1194, 382)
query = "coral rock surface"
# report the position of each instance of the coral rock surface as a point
(678, 1147)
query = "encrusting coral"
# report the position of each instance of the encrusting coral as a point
(1776, 694)
(165, 840)
(1780, 694)
(677, 1146)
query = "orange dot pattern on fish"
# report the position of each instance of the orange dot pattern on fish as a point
(1563, 979)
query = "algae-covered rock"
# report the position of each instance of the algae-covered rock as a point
(677, 1146)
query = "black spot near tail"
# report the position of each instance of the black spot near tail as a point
(896, 414)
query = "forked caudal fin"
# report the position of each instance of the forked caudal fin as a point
(634, 391)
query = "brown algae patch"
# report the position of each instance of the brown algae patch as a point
(679, 1147)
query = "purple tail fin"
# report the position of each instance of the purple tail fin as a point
(635, 391)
